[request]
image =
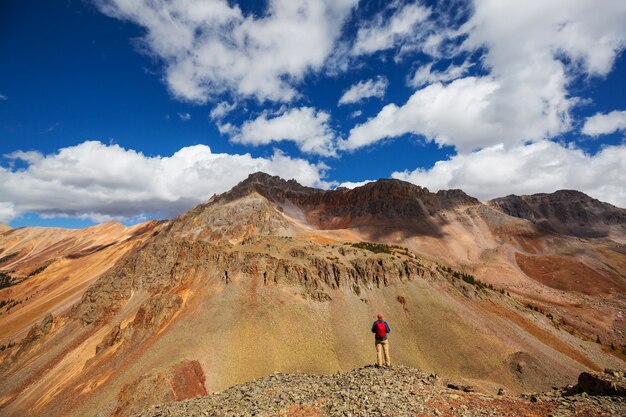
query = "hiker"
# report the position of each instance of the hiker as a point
(380, 328)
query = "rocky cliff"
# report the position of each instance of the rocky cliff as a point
(386, 202)
(566, 211)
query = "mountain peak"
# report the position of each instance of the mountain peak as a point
(269, 186)
(565, 211)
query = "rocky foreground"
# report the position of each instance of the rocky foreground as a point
(396, 391)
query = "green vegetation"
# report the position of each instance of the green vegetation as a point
(37, 271)
(10, 303)
(7, 257)
(7, 346)
(382, 248)
(6, 280)
(5, 302)
(548, 315)
(534, 308)
(373, 247)
(470, 279)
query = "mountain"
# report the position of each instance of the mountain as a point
(273, 276)
(566, 211)
(46, 270)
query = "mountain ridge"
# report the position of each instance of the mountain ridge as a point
(565, 211)
(274, 187)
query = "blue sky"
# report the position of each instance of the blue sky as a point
(129, 110)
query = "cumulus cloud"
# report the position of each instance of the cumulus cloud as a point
(385, 32)
(365, 89)
(425, 74)
(227, 128)
(604, 124)
(308, 128)
(7, 212)
(525, 95)
(210, 46)
(27, 156)
(221, 110)
(351, 185)
(543, 166)
(75, 182)
(438, 112)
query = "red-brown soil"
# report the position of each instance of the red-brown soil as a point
(570, 275)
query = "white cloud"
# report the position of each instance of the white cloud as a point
(26, 156)
(211, 46)
(7, 212)
(604, 124)
(356, 113)
(221, 110)
(227, 128)
(184, 116)
(74, 182)
(525, 96)
(305, 126)
(441, 113)
(425, 74)
(384, 33)
(351, 185)
(544, 166)
(3, 97)
(365, 89)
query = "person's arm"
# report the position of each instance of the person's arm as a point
(387, 327)
(374, 327)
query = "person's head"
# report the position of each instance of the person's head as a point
(380, 316)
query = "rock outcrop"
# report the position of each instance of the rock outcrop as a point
(396, 391)
(182, 381)
(166, 265)
(610, 382)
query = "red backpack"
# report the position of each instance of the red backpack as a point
(381, 330)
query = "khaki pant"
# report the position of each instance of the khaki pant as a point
(382, 345)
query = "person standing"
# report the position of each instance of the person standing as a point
(381, 329)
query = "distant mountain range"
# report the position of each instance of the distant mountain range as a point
(520, 293)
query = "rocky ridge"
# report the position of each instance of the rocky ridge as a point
(46, 270)
(565, 211)
(370, 391)
(167, 264)
(386, 201)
